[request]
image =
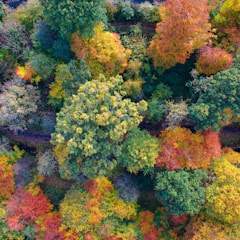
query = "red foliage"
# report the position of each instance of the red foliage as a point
(25, 208)
(181, 148)
(212, 60)
(91, 186)
(178, 220)
(51, 225)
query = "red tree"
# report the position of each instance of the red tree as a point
(25, 207)
(184, 28)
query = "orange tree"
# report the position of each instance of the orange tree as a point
(104, 52)
(96, 212)
(180, 148)
(184, 28)
(212, 60)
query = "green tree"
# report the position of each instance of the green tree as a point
(181, 191)
(91, 125)
(28, 13)
(139, 151)
(218, 96)
(68, 78)
(67, 17)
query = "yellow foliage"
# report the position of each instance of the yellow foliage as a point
(104, 52)
(223, 196)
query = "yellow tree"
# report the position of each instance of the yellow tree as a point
(184, 28)
(223, 195)
(104, 52)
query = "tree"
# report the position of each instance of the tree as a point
(181, 191)
(184, 28)
(68, 78)
(5, 232)
(91, 125)
(18, 104)
(139, 151)
(14, 39)
(47, 163)
(180, 148)
(212, 60)
(67, 17)
(28, 13)
(104, 52)
(222, 196)
(96, 210)
(217, 99)
(25, 206)
(203, 227)
(227, 22)
(7, 183)
(156, 104)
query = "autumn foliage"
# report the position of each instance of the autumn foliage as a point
(184, 28)
(95, 210)
(222, 196)
(104, 52)
(180, 148)
(25, 206)
(147, 226)
(227, 22)
(25, 72)
(212, 60)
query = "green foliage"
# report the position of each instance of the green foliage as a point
(2, 12)
(14, 39)
(149, 12)
(181, 191)
(91, 125)
(68, 78)
(67, 17)
(18, 103)
(125, 10)
(139, 151)
(216, 95)
(156, 104)
(138, 45)
(42, 64)
(28, 13)
(47, 40)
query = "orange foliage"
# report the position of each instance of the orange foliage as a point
(48, 227)
(181, 148)
(104, 53)
(26, 72)
(212, 60)
(25, 208)
(184, 28)
(147, 226)
(6, 178)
